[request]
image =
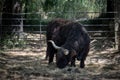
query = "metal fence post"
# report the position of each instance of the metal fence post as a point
(116, 35)
(21, 35)
(40, 35)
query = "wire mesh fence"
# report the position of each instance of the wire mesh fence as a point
(30, 28)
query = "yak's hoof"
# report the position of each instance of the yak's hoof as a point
(78, 58)
(73, 65)
(51, 63)
(82, 66)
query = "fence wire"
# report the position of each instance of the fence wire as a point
(34, 29)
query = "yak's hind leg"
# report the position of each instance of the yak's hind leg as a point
(82, 64)
(83, 57)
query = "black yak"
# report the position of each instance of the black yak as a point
(68, 40)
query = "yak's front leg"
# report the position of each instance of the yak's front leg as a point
(73, 61)
(82, 64)
(50, 53)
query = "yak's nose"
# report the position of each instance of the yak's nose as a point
(62, 63)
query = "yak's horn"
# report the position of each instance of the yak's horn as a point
(54, 45)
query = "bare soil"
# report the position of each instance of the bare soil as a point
(30, 64)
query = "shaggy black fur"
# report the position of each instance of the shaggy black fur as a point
(68, 35)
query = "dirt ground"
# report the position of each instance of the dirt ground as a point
(29, 64)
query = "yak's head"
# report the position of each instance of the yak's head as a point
(62, 55)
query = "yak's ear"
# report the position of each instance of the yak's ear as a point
(66, 51)
(73, 53)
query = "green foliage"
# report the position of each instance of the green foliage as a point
(62, 6)
(13, 43)
(69, 9)
(1, 5)
(49, 4)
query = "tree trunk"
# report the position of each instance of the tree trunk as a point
(114, 6)
(110, 8)
(5, 28)
(11, 19)
(117, 9)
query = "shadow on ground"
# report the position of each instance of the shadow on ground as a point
(28, 65)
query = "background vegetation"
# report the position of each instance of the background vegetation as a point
(36, 12)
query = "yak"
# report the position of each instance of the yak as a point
(69, 40)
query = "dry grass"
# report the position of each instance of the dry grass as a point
(29, 64)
